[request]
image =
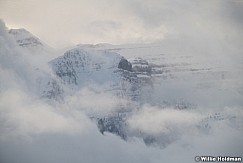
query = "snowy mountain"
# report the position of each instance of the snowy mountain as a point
(77, 67)
(25, 38)
(140, 75)
(29, 42)
(80, 67)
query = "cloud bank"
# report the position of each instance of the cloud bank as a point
(71, 22)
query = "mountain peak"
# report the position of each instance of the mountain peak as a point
(24, 38)
(16, 31)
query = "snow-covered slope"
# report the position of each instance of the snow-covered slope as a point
(25, 38)
(29, 42)
(77, 66)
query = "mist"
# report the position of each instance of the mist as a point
(35, 129)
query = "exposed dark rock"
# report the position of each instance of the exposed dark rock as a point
(112, 124)
(125, 65)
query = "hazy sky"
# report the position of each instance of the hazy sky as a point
(66, 22)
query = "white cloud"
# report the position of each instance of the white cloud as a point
(94, 101)
(153, 120)
(22, 115)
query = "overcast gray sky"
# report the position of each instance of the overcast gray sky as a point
(66, 22)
